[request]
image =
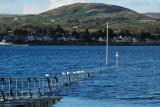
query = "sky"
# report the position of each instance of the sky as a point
(39, 6)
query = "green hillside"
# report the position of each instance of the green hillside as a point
(87, 15)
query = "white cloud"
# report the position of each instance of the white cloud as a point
(58, 3)
(32, 9)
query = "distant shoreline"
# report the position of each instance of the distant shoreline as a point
(84, 44)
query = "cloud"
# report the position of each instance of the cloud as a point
(32, 9)
(58, 3)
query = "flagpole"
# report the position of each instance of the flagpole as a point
(107, 46)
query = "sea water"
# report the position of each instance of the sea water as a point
(135, 83)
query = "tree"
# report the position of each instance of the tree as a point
(127, 33)
(59, 29)
(143, 36)
(87, 36)
(110, 33)
(76, 34)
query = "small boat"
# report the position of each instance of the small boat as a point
(4, 43)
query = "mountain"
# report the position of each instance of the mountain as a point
(86, 15)
(153, 15)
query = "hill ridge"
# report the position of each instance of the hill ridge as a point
(86, 16)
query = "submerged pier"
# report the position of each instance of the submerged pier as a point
(37, 92)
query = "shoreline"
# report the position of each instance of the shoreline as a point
(85, 44)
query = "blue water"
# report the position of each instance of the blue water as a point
(136, 82)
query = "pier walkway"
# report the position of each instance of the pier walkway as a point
(37, 92)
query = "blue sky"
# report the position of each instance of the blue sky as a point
(39, 6)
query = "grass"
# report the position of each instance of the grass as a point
(94, 14)
(146, 21)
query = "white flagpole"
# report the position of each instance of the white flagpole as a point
(107, 47)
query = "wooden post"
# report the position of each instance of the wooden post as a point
(81, 75)
(76, 77)
(34, 88)
(52, 83)
(66, 78)
(28, 87)
(22, 87)
(9, 89)
(16, 90)
(59, 83)
(55, 84)
(71, 78)
(39, 92)
(48, 83)
(2, 99)
(43, 87)
(62, 80)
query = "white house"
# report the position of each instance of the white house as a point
(72, 39)
(47, 38)
(135, 40)
(119, 39)
(128, 39)
(31, 38)
(101, 39)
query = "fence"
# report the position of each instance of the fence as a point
(27, 88)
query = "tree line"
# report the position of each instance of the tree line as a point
(86, 35)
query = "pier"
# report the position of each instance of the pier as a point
(38, 92)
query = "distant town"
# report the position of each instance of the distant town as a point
(59, 35)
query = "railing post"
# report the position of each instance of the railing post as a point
(22, 87)
(59, 82)
(9, 89)
(52, 83)
(2, 99)
(28, 87)
(39, 91)
(34, 88)
(43, 87)
(71, 78)
(55, 84)
(81, 75)
(74, 77)
(16, 90)
(48, 83)
(62, 80)
(66, 78)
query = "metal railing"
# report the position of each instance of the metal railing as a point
(26, 88)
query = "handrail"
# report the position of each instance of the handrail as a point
(38, 86)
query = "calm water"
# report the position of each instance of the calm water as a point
(136, 83)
